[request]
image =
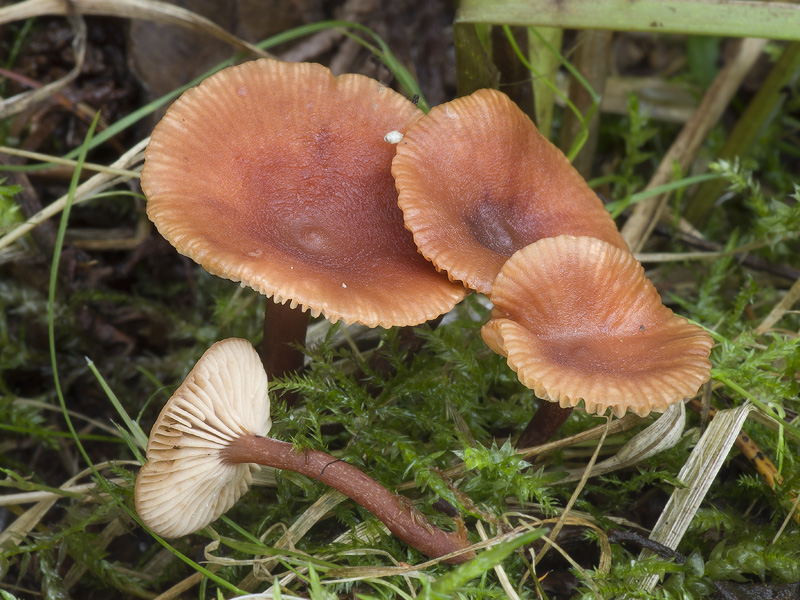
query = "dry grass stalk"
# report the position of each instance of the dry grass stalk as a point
(698, 474)
(84, 192)
(645, 215)
(592, 61)
(43, 496)
(546, 63)
(30, 519)
(502, 576)
(663, 434)
(780, 309)
(21, 102)
(184, 585)
(106, 240)
(149, 10)
(659, 99)
(751, 451)
(294, 534)
(70, 163)
(575, 494)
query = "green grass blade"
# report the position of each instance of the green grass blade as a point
(447, 585)
(83, 149)
(102, 481)
(133, 426)
(618, 206)
(583, 134)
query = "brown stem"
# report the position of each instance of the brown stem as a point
(543, 425)
(396, 512)
(283, 326)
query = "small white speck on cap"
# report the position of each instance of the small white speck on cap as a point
(344, 285)
(393, 137)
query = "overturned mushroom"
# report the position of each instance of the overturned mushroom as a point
(212, 434)
(277, 175)
(477, 182)
(186, 484)
(578, 320)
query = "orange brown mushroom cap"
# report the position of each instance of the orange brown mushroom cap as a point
(578, 320)
(477, 182)
(277, 175)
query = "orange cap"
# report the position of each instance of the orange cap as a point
(578, 320)
(277, 175)
(477, 182)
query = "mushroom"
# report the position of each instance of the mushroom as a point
(185, 484)
(477, 182)
(210, 437)
(277, 175)
(578, 320)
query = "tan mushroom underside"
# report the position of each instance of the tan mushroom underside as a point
(578, 320)
(184, 485)
(277, 175)
(477, 182)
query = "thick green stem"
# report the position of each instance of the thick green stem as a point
(771, 20)
(396, 512)
(474, 66)
(544, 66)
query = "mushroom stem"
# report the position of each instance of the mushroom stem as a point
(543, 425)
(396, 512)
(283, 327)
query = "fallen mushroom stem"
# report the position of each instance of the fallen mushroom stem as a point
(284, 330)
(547, 419)
(395, 511)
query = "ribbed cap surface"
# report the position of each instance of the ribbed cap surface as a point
(578, 320)
(277, 175)
(477, 182)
